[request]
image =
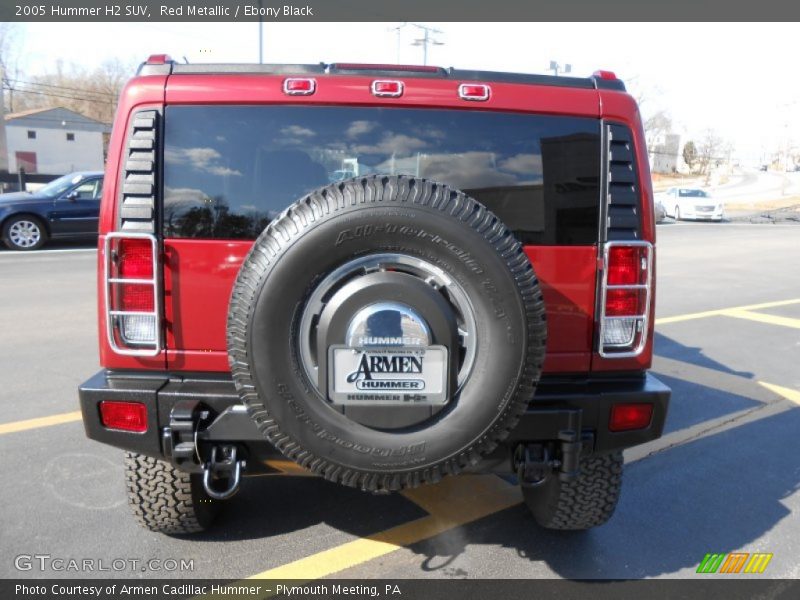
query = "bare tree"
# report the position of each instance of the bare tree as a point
(709, 152)
(10, 43)
(92, 93)
(656, 125)
(656, 121)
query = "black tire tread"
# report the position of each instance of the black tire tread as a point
(583, 503)
(164, 499)
(303, 214)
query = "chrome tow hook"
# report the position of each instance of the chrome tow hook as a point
(228, 467)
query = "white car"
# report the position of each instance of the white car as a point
(692, 203)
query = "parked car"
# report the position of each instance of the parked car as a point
(66, 208)
(341, 175)
(661, 211)
(692, 203)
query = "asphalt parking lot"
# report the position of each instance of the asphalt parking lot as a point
(724, 478)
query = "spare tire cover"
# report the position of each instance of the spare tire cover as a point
(409, 217)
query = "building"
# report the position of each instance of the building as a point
(3, 146)
(664, 152)
(54, 141)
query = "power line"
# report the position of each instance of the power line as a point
(94, 100)
(63, 87)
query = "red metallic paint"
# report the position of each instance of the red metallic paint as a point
(355, 91)
(198, 278)
(199, 274)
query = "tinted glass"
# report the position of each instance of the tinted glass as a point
(59, 186)
(694, 193)
(229, 170)
(91, 190)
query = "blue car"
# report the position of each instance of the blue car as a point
(67, 208)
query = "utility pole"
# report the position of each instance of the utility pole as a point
(429, 37)
(260, 32)
(556, 68)
(397, 30)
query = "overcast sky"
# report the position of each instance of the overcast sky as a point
(740, 79)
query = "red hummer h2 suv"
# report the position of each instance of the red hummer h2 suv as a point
(387, 274)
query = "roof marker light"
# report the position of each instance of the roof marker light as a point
(387, 89)
(610, 75)
(158, 59)
(477, 92)
(299, 86)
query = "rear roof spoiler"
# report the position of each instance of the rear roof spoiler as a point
(161, 64)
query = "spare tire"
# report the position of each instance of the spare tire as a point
(386, 331)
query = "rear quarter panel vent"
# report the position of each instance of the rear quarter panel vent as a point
(137, 197)
(623, 213)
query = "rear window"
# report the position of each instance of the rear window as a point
(693, 193)
(229, 170)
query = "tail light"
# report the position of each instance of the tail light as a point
(627, 417)
(127, 416)
(132, 294)
(625, 298)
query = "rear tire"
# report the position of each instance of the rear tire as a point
(166, 500)
(424, 223)
(582, 503)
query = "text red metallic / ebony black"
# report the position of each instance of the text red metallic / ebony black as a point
(385, 274)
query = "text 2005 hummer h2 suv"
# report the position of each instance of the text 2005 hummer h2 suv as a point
(387, 274)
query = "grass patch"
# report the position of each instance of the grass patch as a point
(787, 203)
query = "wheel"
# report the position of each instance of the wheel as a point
(677, 214)
(583, 503)
(385, 332)
(166, 500)
(24, 233)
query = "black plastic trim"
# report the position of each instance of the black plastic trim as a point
(621, 213)
(137, 206)
(551, 411)
(105, 386)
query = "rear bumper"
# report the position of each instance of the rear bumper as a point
(703, 216)
(583, 405)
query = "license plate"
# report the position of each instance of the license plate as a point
(396, 376)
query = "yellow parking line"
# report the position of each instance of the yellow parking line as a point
(454, 502)
(722, 311)
(288, 467)
(16, 426)
(688, 317)
(763, 318)
(788, 393)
